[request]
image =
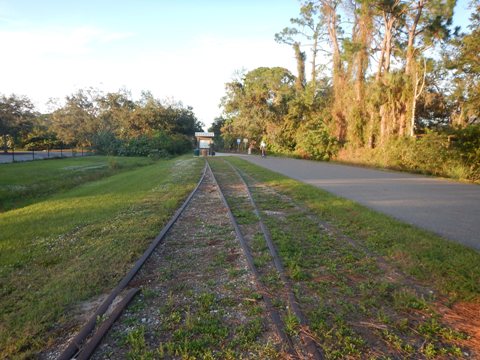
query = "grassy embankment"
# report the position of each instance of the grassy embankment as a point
(74, 245)
(357, 302)
(451, 268)
(23, 183)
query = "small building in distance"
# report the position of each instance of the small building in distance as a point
(204, 143)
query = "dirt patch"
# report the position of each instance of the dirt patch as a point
(465, 317)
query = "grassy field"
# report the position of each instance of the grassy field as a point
(23, 183)
(449, 267)
(69, 247)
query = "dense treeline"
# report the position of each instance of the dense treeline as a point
(111, 123)
(390, 82)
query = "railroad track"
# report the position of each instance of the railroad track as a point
(307, 348)
(79, 347)
(279, 299)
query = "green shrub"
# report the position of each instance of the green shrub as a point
(158, 145)
(157, 154)
(314, 142)
(430, 154)
(467, 143)
(435, 153)
(106, 143)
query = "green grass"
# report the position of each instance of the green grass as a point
(23, 183)
(449, 267)
(77, 244)
(354, 307)
(198, 328)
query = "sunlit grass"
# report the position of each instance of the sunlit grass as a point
(450, 267)
(77, 244)
(356, 302)
(24, 183)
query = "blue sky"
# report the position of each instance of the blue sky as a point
(184, 49)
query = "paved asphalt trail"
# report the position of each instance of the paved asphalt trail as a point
(38, 155)
(447, 208)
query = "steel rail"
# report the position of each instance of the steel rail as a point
(310, 344)
(76, 343)
(275, 316)
(97, 337)
(334, 231)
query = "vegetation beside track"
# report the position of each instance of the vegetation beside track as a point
(24, 183)
(77, 244)
(449, 267)
(357, 302)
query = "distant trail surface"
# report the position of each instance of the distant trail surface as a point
(447, 208)
(38, 155)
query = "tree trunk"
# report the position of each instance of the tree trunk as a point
(383, 124)
(388, 48)
(330, 12)
(300, 57)
(5, 145)
(381, 59)
(314, 62)
(412, 120)
(412, 34)
(416, 94)
(402, 123)
(410, 60)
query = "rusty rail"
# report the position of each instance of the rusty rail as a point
(310, 345)
(275, 316)
(75, 345)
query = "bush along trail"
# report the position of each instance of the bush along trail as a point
(275, 280)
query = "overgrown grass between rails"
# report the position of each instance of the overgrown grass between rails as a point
(24, 183)
(449, 267)
(78, 244)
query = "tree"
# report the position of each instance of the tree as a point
(300, 57)
(184, 120)
(115, 112)
(40, 136)
(464, 60)
(150, 115)
(77, 121)
(308, 27)
(16, 115)
(258, 103)
(425, 23)
(389, 14)
(216, 128)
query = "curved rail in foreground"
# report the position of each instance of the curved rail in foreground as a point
(74, 347)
